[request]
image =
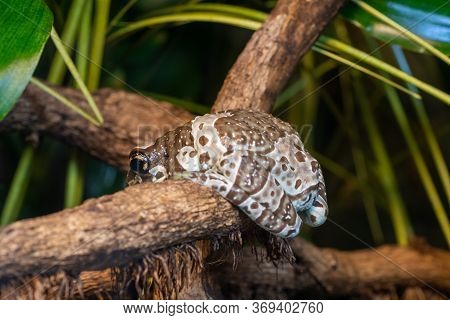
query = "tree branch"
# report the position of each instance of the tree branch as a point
(267, 62)
(115, 229)
(385, 272)
(388, 272)
(130, 120)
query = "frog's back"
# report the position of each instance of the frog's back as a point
(251, 131)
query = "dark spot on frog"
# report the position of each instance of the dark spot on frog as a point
(317, 204)
(300, 156)
(203, 140)
(314, 166)
(204, 157)
(159, 175)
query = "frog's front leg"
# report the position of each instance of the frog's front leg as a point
(246, 182)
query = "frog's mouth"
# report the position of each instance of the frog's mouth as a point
(133, 178)
(156, 174)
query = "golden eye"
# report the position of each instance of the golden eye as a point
(139, 164)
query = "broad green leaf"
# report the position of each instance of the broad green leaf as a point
(429, 20)
(24, 28)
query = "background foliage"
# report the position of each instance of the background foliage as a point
(382, 149)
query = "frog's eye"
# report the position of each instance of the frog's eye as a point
(139, 163)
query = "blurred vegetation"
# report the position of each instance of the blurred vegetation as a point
(380, 133)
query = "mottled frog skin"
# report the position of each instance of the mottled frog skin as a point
(252, 159)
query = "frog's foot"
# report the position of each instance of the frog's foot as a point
(276, 215)
(316, 214)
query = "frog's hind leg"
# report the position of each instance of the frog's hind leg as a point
(275, 214)
(246, 182)
(265, 201)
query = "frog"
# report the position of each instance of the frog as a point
(253, 159)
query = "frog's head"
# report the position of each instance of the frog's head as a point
(145, 166)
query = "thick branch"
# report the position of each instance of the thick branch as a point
(385, 272)
(130, 120)
(331, 273)
(115, 229)
(265, 65)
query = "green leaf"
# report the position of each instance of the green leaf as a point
(428, 19)
(25, 27)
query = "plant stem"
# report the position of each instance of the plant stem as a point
(19, 186)
(64, 100)
(75, 178)
(419, 161)
(81, 59)
(231, 10)
(368, 72)
(57, 67)
(120, 14)
(427, 129)
(377, 63)
(400, 220)
(187, 17)
(73, 70)
(98, 43)
(252, 24)
(75, 175)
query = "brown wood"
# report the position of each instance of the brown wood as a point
(130, 120)
(387, 272)
(268, 60)
(115, 229)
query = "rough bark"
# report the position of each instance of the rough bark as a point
(115, 229)
(130, 120)
(387, 272)
(267, 62)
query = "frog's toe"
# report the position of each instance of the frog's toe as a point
(291, 231)
(316, 214)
